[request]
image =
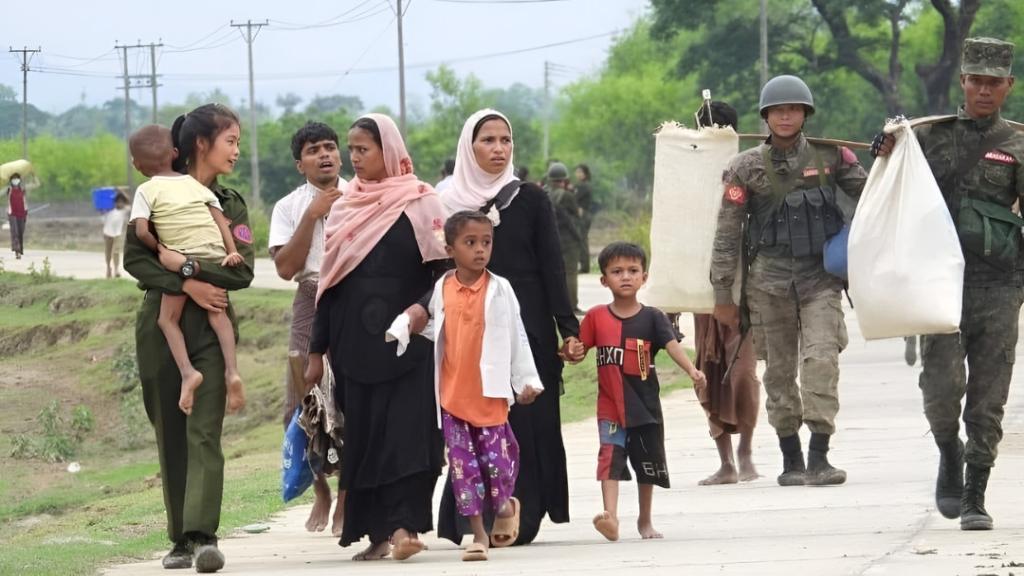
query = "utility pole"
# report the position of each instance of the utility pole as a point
(401, 70)
(547, 109)
(764, 52)
(26, 57)
(136, 81)
(249, 36)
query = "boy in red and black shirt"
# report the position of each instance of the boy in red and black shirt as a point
(627, 336)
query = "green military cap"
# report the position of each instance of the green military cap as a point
(987, 57)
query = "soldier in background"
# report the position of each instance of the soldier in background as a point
(585, 200)
(978, 161)
(567, 217)
(778, 209)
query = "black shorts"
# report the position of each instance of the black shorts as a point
(645, 447)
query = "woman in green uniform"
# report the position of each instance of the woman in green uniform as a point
(191, 461)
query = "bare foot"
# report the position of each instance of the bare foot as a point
(747, 470)
(607, 525)
(236, 395)
(317, 521)
(407, 548)
(647, 531)
(338, 520)
(189, 382)
(724, 475)
(377, 551)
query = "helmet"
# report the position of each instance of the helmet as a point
(557, 171)
(786, 90)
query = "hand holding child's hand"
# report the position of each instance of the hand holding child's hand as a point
(573, 351)
(698, 377)
(232, 260)
(528, 395)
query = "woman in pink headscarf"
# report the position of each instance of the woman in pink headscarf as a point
(382, 253)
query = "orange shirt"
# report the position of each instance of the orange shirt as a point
(461, 385)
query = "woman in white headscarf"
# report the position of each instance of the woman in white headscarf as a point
(526, 251)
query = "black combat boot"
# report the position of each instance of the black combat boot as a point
(819, 471)
(972, 504)
(180, 556)
(793, 468)
(949, 486)
(208, 558)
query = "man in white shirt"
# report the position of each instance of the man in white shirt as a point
(447, 169)
(297, 246)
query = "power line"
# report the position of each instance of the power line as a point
(336, 20)
(500, 1)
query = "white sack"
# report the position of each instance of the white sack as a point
(905, 265)
(688, 167)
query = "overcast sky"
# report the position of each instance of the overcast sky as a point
(310, 47)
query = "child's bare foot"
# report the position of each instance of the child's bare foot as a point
(236, 395)
(189, 382)
(747, 470)
(377, 551)
(647, 531)
(607, 525)
(724, 475)
(321, 506)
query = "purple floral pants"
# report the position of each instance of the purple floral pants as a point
(484, 464)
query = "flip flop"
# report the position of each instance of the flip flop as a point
(506, 530)
(475, 552)
(406, 548)
(607, 526)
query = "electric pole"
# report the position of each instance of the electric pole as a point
(136, 81)
(401, 70)
(249, 36)
(547, 109)
(764, 51)
(26, 57)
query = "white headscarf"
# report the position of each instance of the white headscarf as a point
(472, 186)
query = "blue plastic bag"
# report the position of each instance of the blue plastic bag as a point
(296, 475)
(835, 252)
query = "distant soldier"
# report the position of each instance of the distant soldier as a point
(778, 209)
(585, 199)
(567, 217)
(978, 161)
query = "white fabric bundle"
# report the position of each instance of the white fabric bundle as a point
(688, 167)
(905, 265)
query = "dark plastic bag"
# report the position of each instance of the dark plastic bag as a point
(296, 474)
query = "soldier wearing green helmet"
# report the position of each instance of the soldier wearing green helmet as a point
(778, 209)
(977, 159)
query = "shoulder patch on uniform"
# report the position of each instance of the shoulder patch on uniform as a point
(242, 233)
(736, 194)
(1001, 157)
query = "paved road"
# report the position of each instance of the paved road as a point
(881, 522)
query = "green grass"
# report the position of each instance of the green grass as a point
(73, 341)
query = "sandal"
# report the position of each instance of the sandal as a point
(506, 530)
(475, 552)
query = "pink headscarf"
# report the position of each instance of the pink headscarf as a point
(368, 210)
(472, 186)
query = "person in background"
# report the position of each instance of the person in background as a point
(585, 201)
(446, 175)
(114, 222)
(567, 216)
(17, 214)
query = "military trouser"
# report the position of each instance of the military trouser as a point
(987, 339)
(191, 461)
(571, 260)
(805, 331)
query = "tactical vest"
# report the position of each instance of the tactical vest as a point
(798, 215)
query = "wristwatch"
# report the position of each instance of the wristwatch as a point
(188, 269)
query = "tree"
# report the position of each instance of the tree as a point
(321, 105)
(288, 102)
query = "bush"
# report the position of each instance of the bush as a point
(59, 440)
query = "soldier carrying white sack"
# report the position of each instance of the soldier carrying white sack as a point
(977, 159)
(778, 210)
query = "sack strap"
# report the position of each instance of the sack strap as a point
(504, 196)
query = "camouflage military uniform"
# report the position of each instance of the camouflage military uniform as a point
(568, 221)
(992, 297)
(795, 308)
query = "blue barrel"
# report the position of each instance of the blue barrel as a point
(103, 198)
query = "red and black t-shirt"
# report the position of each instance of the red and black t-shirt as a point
(627, 382)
